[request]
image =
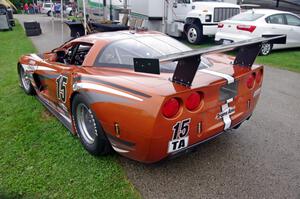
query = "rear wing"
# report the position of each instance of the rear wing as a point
(189, 61)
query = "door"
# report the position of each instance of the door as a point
(180, 9)
(293, 25)
(276, 25)
(59, 87)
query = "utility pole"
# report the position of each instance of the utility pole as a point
(277, 3)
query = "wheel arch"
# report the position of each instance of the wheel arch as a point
(18, 67)
(72, 98)
(191, 20)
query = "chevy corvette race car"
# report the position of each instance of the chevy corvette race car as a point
(144, 94)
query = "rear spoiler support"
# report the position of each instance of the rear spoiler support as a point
(188, 62)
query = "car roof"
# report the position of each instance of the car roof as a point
(267, 11)
(114, 36)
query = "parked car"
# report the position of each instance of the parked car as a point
(48, 7)
(261, 22)
(145, 95)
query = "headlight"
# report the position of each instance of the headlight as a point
(207, 18)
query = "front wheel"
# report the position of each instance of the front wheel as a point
(266, 49)
(25, 81)
(194, 34)
(88, 128)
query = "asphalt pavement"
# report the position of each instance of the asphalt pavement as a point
(259, 160)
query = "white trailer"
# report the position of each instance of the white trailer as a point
(193, 18)
(107, 9)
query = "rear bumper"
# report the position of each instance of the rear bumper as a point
(194, 147)
(231, 36)
(210, 29)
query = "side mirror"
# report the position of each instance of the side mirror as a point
(61, 54)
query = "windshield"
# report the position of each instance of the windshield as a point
(121, 53)
(246, 16)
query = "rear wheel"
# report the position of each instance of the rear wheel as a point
(25, 81)
(266, 49)
(88, 128)
(194, 34)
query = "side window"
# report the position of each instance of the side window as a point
(183, 1)
(75, 55)
(292, 20)
(80, 54)
(276, 19)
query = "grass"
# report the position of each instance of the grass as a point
(38, 156)
(288, 59)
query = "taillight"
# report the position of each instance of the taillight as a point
(248, 28)
(193, 101)
(259, 75)
(170, 108)
(251, 80)
(220, 25)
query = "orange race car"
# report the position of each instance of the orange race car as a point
(144, 94)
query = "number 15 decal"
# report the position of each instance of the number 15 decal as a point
(61, 90)
(181, 129)
(180, 137)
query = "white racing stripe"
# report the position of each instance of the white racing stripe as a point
(104, 89)
(229, 78)
(34, 68)
(45, 68)
(37, 58)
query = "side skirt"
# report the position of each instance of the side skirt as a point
(66, 121)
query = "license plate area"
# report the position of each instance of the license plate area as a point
(228, 91)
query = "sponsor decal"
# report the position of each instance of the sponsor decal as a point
(228, 111)
(225, 113)
(180, 138)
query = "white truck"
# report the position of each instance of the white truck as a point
(190, 18)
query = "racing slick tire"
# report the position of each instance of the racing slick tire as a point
(32, 28)
(31, 25)
(194, 34)
(88, 128)
(33, 32)
(266, 49)
(25, 82)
